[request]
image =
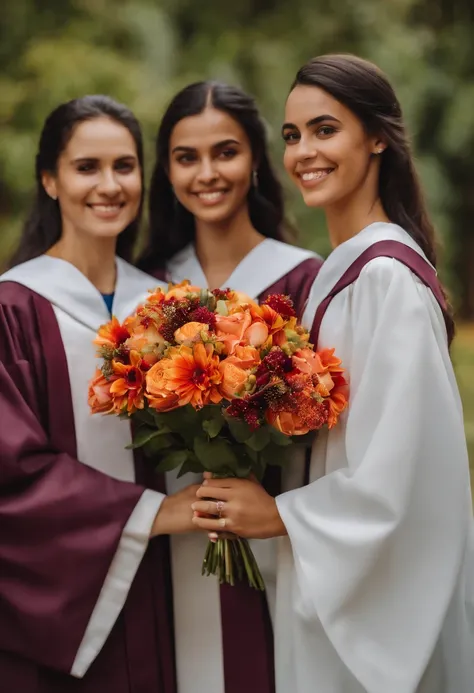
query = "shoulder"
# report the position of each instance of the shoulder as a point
(16, 295)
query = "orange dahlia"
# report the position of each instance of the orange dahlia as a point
(190, 372)
(111, 335)
(128, 388)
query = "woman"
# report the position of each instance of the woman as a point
(375, 584)
(216, 206)
(216, 218)
(84, 596)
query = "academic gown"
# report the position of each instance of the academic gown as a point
(84, 596)
(271, 267)
(375, 589)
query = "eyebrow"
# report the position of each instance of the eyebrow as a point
(310, 123)
(218, 145)
(78, 159)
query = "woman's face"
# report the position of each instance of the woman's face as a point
(98, 180)
(210, 165)
(328, 154)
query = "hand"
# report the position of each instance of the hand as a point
(175, 515)
(246, 509)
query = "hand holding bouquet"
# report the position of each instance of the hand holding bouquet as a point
(217, 383)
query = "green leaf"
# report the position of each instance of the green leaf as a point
(216, 455)
(158, 444)
(143, 435)
(190, 465)
(239, 430)
(259, 439)
(172, 460)
(213, 427)
(279, 438)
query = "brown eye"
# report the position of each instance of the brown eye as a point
(290, 137)
(326, 130)
(86, 167)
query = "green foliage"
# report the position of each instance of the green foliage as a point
(143, 51)
(207, 440)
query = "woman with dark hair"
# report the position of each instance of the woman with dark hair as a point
(84, 598)
(216, 206)
(217, 219)
(376, 572)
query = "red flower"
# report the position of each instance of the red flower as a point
(281, 304)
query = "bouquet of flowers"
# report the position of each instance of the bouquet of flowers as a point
(216, 382)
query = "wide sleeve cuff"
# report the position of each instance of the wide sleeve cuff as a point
(130, 551)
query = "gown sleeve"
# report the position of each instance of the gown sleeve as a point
(379, 543)
(70, 536)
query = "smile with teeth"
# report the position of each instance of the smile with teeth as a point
(107, 208)
(211, 196)
(315, 175)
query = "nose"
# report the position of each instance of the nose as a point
(306, 149)
(207, 173)
(109, 183)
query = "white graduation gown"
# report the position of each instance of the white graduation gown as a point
(199, 653)
(101, 440)
(376, 578)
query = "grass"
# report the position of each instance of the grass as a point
(463, 359)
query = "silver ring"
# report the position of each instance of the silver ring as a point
(220, 505)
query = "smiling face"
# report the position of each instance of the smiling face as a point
(210, 165)
(328, 154)
(97, 181)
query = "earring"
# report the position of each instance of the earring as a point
(54, 197)
(255, 178)
(380, 150)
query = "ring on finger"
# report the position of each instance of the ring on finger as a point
(222, 521)
(220, 505)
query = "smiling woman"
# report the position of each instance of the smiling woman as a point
(81, 583)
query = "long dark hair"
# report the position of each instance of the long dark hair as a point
(171, 226)
(43, 226)
(366, 91)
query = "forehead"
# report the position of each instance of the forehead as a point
(306, 102)
(206, 129)
(100, 138)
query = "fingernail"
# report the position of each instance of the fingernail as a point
(204, 483)
(213, 536)
(193, 507)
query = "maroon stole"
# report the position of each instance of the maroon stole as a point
(396, 250)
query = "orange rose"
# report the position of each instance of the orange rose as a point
(230, 329)
(256, 334)
(234, 379)
(147, 341)
(100, 398)
(287, 423)
(182, 290)
(237, 299)
(245, 357)
(191, 332)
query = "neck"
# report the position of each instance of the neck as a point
(95, 258)
(221, 247)
(348, 217)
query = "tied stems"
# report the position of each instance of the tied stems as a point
(232, 560)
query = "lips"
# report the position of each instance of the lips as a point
(312, 178)
(211, 197)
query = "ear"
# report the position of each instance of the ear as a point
(379, 147)
(49, 184)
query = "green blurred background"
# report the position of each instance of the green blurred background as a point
(142, 51)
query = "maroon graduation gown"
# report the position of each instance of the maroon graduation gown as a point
(60, 525)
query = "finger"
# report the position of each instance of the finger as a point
(207, 475)
(229, 482)
(214, 536)
(224, 523)
(210, 507)
(223, 494)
